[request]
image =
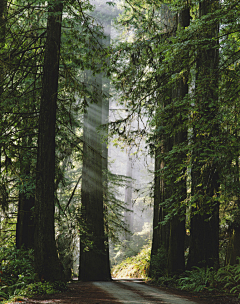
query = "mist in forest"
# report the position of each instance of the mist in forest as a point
(128, 161)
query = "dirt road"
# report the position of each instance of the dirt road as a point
(125, 292)
(133, 292)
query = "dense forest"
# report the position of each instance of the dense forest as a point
(156, 79)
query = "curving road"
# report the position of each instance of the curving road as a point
(137, 292)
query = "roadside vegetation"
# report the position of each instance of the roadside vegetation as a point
(225, 280)
(18, 279)
(135, 266)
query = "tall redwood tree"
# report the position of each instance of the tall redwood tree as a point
(204, 246)
(46, 259)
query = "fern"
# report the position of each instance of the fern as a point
(197, 279)
(226, 278)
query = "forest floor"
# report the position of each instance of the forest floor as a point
(128, 291)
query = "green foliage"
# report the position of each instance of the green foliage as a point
(66, 242)
(17, 270)
(18, 278)
(114, 204)
(135, 266)
(197, 279)
(16, 264)
(20, 94)
(159, 263)
(166, 281)
(124, 249)
(165, 60)
(226, 279)
(40, 288)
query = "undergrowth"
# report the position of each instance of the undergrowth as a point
(197, 279)
(226, 279)
(134, 267)
(18, 278)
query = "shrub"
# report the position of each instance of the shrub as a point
(39, 288)
(18, 278)
(226, 279)
(134, 267)
(197, 279)
(16, 270)
(159, 264)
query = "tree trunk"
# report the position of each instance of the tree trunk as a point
(25, 223)
(46, 259)
(176, 261)
(233, 250)
(94, 258)
(161, 233)
(204, 246)
(170, 237)
(156, 208)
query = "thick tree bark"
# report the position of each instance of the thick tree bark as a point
(162, 191)
(94, 258)
(204, 247)
(233, 249)
(160, 232)
(172, 235)
(156, 208)
(25, 222)
(46, 259)
(176, 261)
